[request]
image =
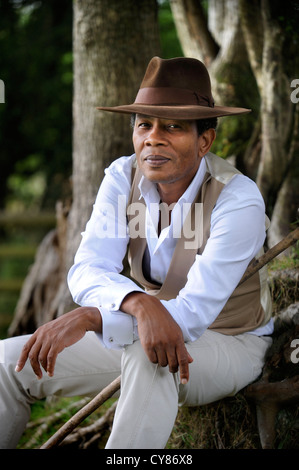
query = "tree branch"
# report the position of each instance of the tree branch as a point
(253, 35)
(257, 264)
(199, 29)
(191, 25)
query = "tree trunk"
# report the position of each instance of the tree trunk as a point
(286, 206)
(113, 42)
(275, 109)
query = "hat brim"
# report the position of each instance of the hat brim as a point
(177, 112)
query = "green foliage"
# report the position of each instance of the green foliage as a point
(170, 44)
(286, 262)
(36, 119)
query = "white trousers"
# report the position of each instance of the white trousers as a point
(150, 394)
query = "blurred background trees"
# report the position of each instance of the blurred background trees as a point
(61, 59)
(36, 119)
(35, 133)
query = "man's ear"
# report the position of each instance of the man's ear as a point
(206, 140)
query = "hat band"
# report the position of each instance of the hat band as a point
(166, 96)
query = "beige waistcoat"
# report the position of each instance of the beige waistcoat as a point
(250, 304)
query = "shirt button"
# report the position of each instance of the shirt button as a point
(112, 305)
(110, 339)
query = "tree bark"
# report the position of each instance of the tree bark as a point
(191, 24)
(215, 38)
(287, 201)
(275, 122)
(252, 28)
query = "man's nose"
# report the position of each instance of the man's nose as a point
(156, 136)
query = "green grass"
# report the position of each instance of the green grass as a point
(286, 262)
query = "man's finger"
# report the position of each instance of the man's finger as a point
(43, 356)
(51, 361)
(173, 364)
(184, 359)
(24, 354)
(34, 358)
(162, 357)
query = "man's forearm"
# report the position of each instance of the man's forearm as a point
(133, 303)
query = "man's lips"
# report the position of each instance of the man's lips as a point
(156, 160)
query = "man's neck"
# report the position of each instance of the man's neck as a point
(170, 193)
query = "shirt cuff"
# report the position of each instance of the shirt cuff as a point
(117, 329)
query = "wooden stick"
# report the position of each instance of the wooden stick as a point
(257, 264)
(75, 420)
(107, 392)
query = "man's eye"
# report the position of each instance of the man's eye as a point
(143, 124)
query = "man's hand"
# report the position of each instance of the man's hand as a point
(50, 339)
(160, 336)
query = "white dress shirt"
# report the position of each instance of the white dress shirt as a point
(236, 236)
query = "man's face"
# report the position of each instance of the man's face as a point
(168, 151)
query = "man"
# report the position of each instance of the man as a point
(180, 330)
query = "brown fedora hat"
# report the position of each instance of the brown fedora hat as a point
(178, 88)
